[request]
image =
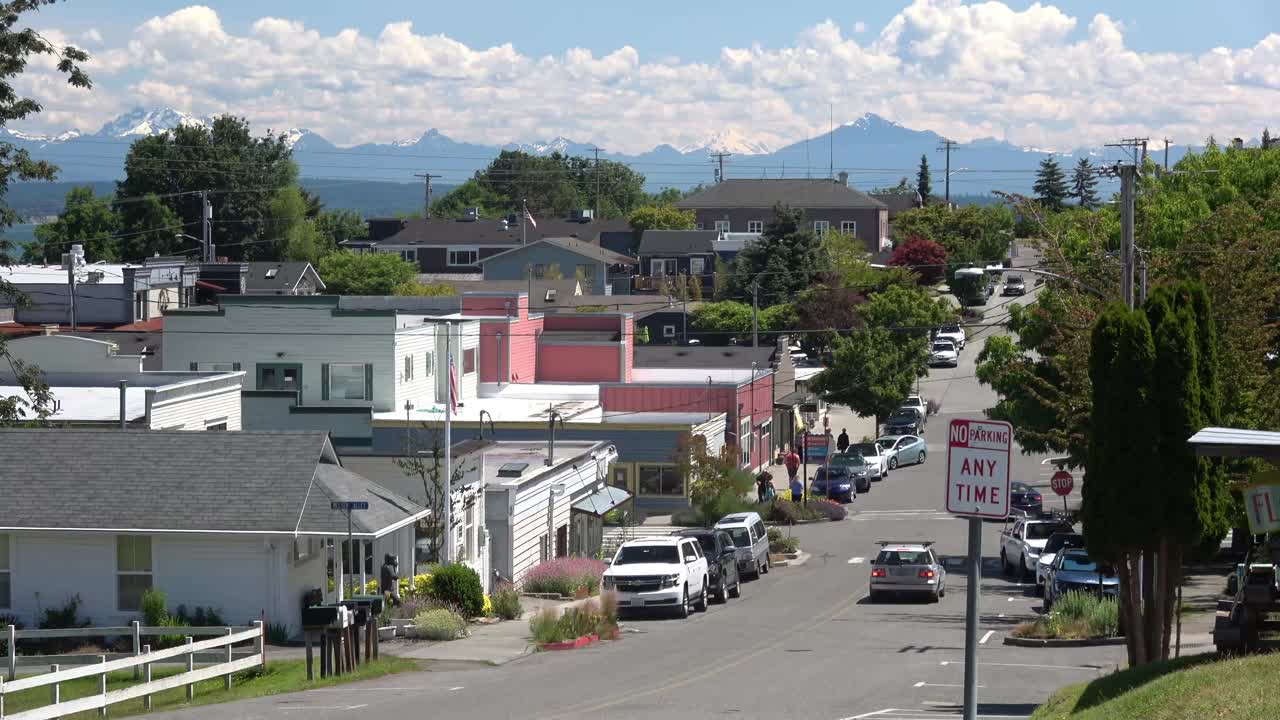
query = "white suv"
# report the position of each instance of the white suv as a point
(952, 332)
(659, 572)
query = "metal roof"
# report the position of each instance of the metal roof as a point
(604, 501)
(1236, 442)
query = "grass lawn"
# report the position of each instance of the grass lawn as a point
(1189, 688)
(281, 676)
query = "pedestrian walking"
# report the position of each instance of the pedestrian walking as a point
(792, 463)
(764, 486)
(842, 442)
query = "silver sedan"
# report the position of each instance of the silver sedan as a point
(903, 449)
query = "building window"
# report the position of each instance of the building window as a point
(539, 271)
(303, 550)
(585, 273)
(133, 571)
(849, 226)
(697, 226)
(347, 381)
(408, 368)
(820, 227)
(140, 306)
(463, 256)
(661, 480)
(6, 574)
(427, 366)
(697, 265)
(668, 331)
(468, 361)
(219, 424)
(465, 544)
(662, 267)
(620, 477)
(755, 226)
(279, 377)
(722, 225)
(217, 366)
(409, 255)
(745, 441)
(543, 549)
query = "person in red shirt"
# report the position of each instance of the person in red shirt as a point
(792, 463)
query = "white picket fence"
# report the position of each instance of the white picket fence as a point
(220, 646)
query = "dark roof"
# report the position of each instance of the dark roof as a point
(249, 482)
(689, 356)
(680, 242)
(896, 201)
(797, 193)
(490, 231)
(578, 247)
(285, 277)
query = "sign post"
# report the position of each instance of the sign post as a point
(977, 487)
(347, 506)
(1062, 484)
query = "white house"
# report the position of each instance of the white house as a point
(93, 384)
(240, 522)
(105, 294)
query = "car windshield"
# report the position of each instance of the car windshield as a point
(1078, 562)
(902, 557)
(949, 329)
(903, 416)
(1019, 487)
(864, 449)
(849, 458)
(636, 554)
(707, 541)
(1057, 541)
(1041, 531)
(835, 472)
(943, 347)
(1014, 280)
(740, 536)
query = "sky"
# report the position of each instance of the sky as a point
(628, 76)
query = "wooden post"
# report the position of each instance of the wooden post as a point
(102, 682)
(376, 639)
(260, 642)
(12, 645)
(370, 632)
(349, 643)
(226, 679)
(191, 666)
(355, 645)
(137, 646)
(324, 655)
(308, 635)
(146, 677)
(55, 692)
(1, 696)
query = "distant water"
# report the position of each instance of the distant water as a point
(19, 235)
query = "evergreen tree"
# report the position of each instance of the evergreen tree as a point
(786, 259)
(1084, 184)
(924, 185)
(1051, 184)
(1266, 138)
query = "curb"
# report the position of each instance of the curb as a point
(1051, 643)
(574, 644)
(789, 560)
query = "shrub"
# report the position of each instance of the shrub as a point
(787, 512)
(487, 610)
(460, 586)
(155, 608)
(686, 518)
(277, 634)
(440, 624)
(829, 509)
(545, 626)
(419, 586)
(67, 616)
(774, 535)
(563, 576)
(5, 621)
(608, 609)
(1103, 619)
(578, 621)
(784, 545)
(506, 603)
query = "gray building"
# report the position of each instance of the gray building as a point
(734, 206)
(105, 295)
(592, 265)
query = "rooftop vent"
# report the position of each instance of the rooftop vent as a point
(272, 273)
(512, 469)
(550, 296)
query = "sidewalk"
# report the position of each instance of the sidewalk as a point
(493, 644)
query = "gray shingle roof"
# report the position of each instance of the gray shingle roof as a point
(578, 247)
(797, 193)
(253, 482)
(678, 242)
(492, 231)
(286, 276)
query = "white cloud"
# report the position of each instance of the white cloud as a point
(1034, 76)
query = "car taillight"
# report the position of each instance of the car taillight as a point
(1036, 497)
(926, 573)
(877, 572)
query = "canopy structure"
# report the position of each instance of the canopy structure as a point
(603, 501)
(1236, 442)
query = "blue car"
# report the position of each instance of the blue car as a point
(840, 482)
(903, 449)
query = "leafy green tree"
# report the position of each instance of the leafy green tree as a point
(970, 234)
(241, 172)
(871, 372)
(827, 312)
(348, 273)
(924, 257)
(1266, 138)
(1084, 184)
(553, 185)
(721, 320)
(670, 196)
(473, 193)
(849, 265)
(904, 187)
(339, 226)
(152, 230)
(786, 259)
(420, 289)
(715, 480)
(924, 183)
(661, 217)
(910, 312)
(86, 220)
(293, 230)
(1051, 185)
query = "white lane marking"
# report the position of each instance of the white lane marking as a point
(1086, 668)
(322, 707)
(927, 684)
(361, 689)
(926, 714)
(986, 637)
(455, 688)
(857, 560)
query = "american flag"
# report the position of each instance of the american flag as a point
(453, 386)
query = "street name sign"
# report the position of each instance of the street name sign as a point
(978, 468)
(348, 505)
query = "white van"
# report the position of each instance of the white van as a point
(751, 539)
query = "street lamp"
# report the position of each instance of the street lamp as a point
(208, 247)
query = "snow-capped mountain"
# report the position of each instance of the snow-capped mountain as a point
(730, 140)
(144, 123)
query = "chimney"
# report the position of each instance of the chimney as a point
(50, 329)
(842, 177)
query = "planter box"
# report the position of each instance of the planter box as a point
(574, 644)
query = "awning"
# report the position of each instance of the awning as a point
(792, 399)
(1237, 442)
(603, 501)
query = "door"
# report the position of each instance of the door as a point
(562, 541)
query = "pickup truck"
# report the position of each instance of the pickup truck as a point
(1021, 542)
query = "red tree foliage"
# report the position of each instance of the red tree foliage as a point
(925, 257)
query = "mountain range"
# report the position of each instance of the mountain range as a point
(874, 151)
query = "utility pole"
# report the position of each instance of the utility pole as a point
(596, 213)
(1166, 154)
(720, 156)
(1132, 144)
(755, 313)
(426, 200)
(1128, 182)
(946, 146)
(206, 226)
(71, 291)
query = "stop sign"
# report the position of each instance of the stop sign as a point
(1062, 483)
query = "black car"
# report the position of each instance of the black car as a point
(722, 565)
(904, 421)
(1025, 499)
(1015, 285)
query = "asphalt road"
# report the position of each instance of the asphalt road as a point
(801, 642)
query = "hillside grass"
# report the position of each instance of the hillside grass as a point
(1190, 688)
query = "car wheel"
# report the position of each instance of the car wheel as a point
(764, 568)
(942, 591)
(936, 597)
(920, 458)
(1022, 568)
(1004, 563)
(736, 590)
(893, 463)
(701, 605)
(682, 612)
(1039, 591)
(875, 596)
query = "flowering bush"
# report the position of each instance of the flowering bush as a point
(440, 624)
(487, 609)
(563, 576)
(419, 587)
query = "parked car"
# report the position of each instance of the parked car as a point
(915, 402)
(659, 572)
(841, 482)
(722, 561)
(908, 567)
(1057, 543)
(1025, 499)
(943, 353)
(1014, 285)
(752, 541)
(904, 421)
(1022, 543)
(1074, 570)
(952, 332)
(877, 459)
(903, 449)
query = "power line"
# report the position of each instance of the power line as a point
(947, 146)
